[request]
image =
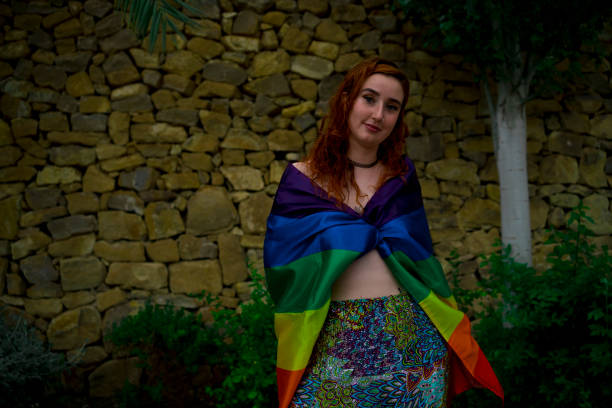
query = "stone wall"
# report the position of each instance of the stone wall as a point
(126, 176)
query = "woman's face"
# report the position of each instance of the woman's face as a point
(375, 111)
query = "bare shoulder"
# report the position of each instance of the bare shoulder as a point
(303, 168)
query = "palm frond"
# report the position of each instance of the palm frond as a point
(144, 16)
(163, 34)
(155, 20)
(176, 30)
(189, 8)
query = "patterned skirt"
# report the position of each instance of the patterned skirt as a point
(381, 352)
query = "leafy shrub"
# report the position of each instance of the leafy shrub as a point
(172, 345)
(28, 368)
(229, 363)
(548, 334)
(250, 354)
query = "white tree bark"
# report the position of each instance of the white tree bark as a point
(510, 134)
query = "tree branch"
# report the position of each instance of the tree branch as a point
(531, 70)
(492, 112)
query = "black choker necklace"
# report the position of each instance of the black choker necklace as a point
(364, 165)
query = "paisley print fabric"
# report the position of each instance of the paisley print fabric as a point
(381, 352)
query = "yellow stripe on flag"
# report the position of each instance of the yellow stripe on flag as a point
(450, 301)
(297, 334)
(444, 317)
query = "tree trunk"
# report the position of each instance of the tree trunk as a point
(511, 154)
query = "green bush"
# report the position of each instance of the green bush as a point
(548, 334)
(172, 345)
(250, 352)
(229, 363)
(29, 370)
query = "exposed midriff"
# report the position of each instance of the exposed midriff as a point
(367, 277)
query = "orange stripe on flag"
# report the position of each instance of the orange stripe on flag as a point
(464, 345)
(288, 382)
(468, 365)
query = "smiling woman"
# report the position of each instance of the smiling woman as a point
(361, 128)
(373, 117)
(365, 317)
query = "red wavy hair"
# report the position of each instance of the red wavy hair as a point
(327, 161)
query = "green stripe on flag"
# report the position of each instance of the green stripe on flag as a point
(305, 284)
(429, 275)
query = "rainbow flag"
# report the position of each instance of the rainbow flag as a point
(310, 241)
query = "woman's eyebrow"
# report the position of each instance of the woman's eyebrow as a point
(378, 94)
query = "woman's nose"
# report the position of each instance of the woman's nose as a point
(378, 111)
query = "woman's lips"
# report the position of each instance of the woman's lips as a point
(371, 128)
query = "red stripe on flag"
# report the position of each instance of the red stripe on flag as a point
(459, 379)
(485, 375)
(467, 374)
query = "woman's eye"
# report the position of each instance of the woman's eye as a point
(392, 108)
(368, 98)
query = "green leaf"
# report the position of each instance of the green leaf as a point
(151, 16)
